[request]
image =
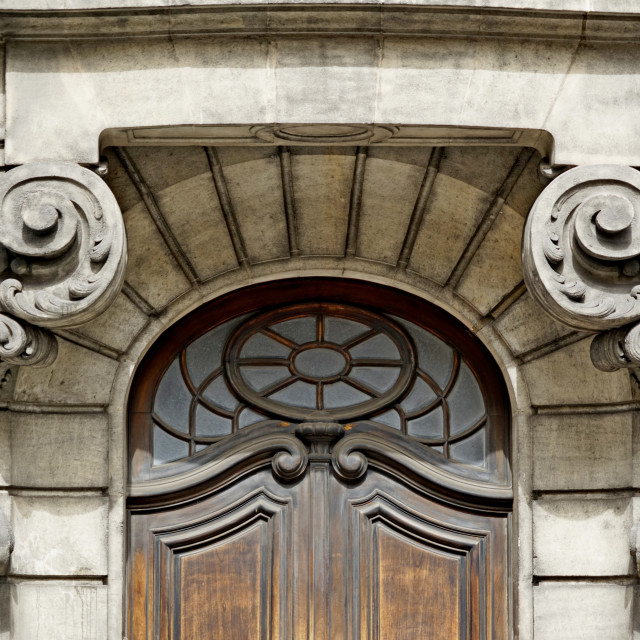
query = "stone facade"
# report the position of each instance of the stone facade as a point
(412, 143)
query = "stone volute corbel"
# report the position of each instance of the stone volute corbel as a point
(581, 258)
(62, 256)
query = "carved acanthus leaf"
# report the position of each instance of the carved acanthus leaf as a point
(64, 244)
(581, 254)
(22, 343)
(581, 245)
(62, 255)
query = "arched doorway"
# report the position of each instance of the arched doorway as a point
(319, 458)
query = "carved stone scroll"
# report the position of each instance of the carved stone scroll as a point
(62, 255)
(581, 257)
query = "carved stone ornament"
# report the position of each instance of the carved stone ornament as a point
(581, 258)
(62, 255)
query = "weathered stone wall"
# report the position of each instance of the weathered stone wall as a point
(64, 426)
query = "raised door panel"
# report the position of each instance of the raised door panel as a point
(222, 567)
(418, 568)
(413, 585)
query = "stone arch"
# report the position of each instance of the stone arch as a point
(165, 195)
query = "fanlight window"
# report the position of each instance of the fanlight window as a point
(320, 361)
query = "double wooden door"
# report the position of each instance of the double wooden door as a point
(318, 470)
(320, 544)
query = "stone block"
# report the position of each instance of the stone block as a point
(581, 537)
(58, 611)
(496, 267)
(192, 211)
(322, 191)
(151, 269)
(60, 536)
(389, 193)
(453, 212)
(5, 449)
(118, 326)
(255, 189)
(573, 452)
(5, 611)
(567, 376)
(78, 376)
(80, 443)
(579, 611)
(525, 326)
(335, 77)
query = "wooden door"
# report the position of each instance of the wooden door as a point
(341, 525)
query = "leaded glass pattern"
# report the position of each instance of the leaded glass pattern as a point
(320, 361)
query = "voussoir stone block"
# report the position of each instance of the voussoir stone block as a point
(579, 611)
(54, 611)
(567, 376)
(256, 192)
(118, 326)
(151, 269)
(388, 196)
(80, 443)
(60, 536)
(495, 269)
(78, 376)
(322, 204)
(525, 326)
(573, 452)
(192, 210)
(581, 537)
(453, 211)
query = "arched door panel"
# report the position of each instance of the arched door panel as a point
(319, 470)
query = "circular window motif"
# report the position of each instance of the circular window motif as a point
(320, 361)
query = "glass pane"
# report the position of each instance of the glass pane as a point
(471, 450)
(429, 426)
(201, 447)
(298, 330)
(420, 396)
(439, 448)
(466, 405)
(218, 393)
(204, 355)
(320, 362)
(260, 378)
(379, 379)
(298, 394)
(339, 330)
(173, 399)
(261, 346)
(340, 394)
(166, 448)
(248, 417)
(390, 418)
(210, 424)
(379, 346)
(435, 357)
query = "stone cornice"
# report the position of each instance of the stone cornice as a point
(492, 20)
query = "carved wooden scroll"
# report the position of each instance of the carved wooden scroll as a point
(581, 258)
(62, 255)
